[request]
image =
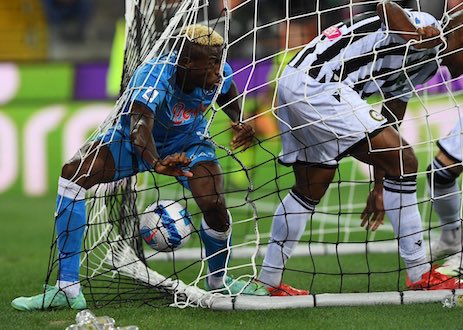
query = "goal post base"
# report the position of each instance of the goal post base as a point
(330, 300)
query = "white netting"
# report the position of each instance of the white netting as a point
(334, 254)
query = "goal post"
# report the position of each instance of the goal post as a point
(337, 260)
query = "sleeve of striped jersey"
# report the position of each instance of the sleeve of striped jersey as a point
(413, 79)
(422, 74)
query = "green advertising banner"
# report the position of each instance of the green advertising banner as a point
(41, 127)
(36, 138)
(52, 82)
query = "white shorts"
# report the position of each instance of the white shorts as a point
(319, 122)
(452, 144)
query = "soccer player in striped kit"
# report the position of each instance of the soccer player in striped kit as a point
(443, 172)
(323, 117)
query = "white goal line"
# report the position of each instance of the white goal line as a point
(330, 300)
(300, 250)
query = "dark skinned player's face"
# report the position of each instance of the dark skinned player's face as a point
(204, 71)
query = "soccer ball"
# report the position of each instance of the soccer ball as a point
(165, 226)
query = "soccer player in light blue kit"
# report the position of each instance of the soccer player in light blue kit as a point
(160, 129)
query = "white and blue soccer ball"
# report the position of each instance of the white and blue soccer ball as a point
(165, 226)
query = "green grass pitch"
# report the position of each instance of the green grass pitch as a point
(27, 234)
(25, 243)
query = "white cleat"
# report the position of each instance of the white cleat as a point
(453, 265)
(441, 248)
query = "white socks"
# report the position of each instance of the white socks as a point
(446, 195)
(70, 189)
(447, 202)
(288, 226)
(401, 207)
(71, 289)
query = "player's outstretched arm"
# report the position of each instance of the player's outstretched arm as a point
(397, 20)
(243, 132)
(141, 126)
(373, 214)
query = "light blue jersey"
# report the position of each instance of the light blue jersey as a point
(179, 124)
(179, 117)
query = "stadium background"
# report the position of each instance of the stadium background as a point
(54, 90)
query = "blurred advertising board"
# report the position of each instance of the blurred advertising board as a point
(48, 110)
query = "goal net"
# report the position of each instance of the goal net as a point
(340, 262)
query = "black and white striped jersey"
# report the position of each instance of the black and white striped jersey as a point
(364, 54)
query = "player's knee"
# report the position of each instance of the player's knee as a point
(404, 163)
(69, 170)
(210, 202)
(86, 173)
(214, 211)
(438, 175)
(410, 162)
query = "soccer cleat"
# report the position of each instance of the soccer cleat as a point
(234, 287)
(287, 290)
(440, 248)
(53, 298)
(453, 265)
(433, 280)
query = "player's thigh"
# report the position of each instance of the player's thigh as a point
(109, 157)
(311, 180)
(206, 186)
(387, 150)
(92, 164)
(207, 179)
(204, 166)
(319, 122)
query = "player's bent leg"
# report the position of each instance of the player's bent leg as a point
(289, 223)
(446, 196)
(52, 298)
(400, 202)
(93, 164)
(207, 188)
(399, 164)
(206, 185)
